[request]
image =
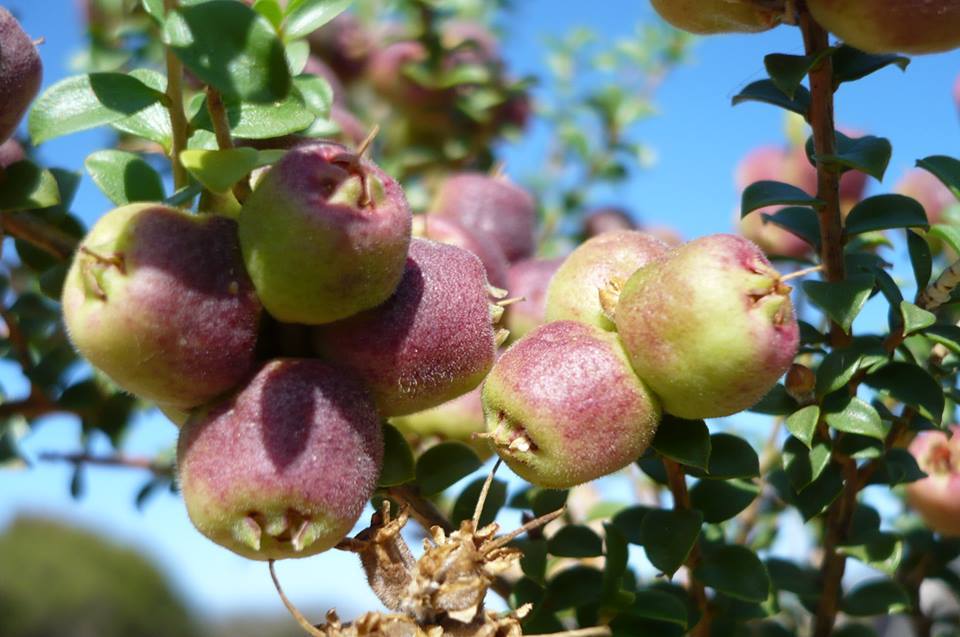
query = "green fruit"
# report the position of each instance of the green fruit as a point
(285, 468)
(159, 300)
(891, 26)
(590, 278)
(21, 72)
(324, 235)
(709, 326)
(456, 419)
(563, 406)
(718, 16)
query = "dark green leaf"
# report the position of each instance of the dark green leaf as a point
(788, 71)
(920, 258)
(629, 522)
(854, 416)
(667, 537)
(912, 386)
(836, 370)
(540, 501)
(879, 550)
(533, 563)
(27, 186)
(876, 597)
(444, 464)
(306, 16)
(820, 493)
(850, 64)
(946, 169)
(802, 464)
(152, 122)
(802, 581)
(842, 300)
(575, 540)
(777, 402)
(124, 177)
(684, 441)
(799, 220)
(915, 318)
(398, 463)
(576, 586)
(766, 91)
(735, 571)
(946, 335)
(657, 606)
(730, 457)
(466, 502)
(868, 154)
(854, 630)
(882, 212)
(231, 47)
(51, 281)
(761, 194)
(899, 467)
(260, 121)
(720, 500)
(616, 557)
(948, 234)
(803, 423)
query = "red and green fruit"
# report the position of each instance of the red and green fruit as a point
(717, 16)
(451, 232)
(21, 72)
(527, 280)
(891, 26)
(937, 497)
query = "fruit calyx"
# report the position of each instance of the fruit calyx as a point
(289, 527)
(940, 460)
(360, 188)
(94, 266)
(511, 437)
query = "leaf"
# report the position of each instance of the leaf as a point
(533, 562)
(882, 212)
(777, 402)
(683, 441)
(306, 16)
(836, 370)
(853, 415)
(946, 169)
(87, 101)
(803, 424)
(735, 571)
(820, 493)
(912, 386)
(398, 463)
(629, 522)
(260, 121)
(787, 71)
(867, 154)
(575, 540)
(231, 47)
(730, 457)
(948, 234)
(920, 258)
(842, 300)
(616, 556)
(26, 186)
(879, 550)
(573, 587)
(271, 10)
(850, 64)
(721, 500)
(316, 93)
(466, 502)
(765, 193)
(766, 91)
(915, 319)
(805, 464)
(799, 220)
(898, 467)
(298, 54)
(667, 536)
(880, 596)
(444, 464)
(153, 122)
(802, 581)
(124, 177)
(540, 501)
(219, 170)
(657, 606)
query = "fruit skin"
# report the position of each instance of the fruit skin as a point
(937, 497)
(11, 152)
(21, 72)
(564, 407)
(432, 341)
(717, 16)
(529, 279)
(324, 235)
(606, 260)
(493, 206)
(891, 26)
(451, 232)
(929, 191)
(285, 467)
(606, 219)
(709, 326)
(456, 419)
(174, 318)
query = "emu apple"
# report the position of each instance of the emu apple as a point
(891, 26)
(451, 232)
(937, 497)
(929, 191)
(456, 419)
(20, 73)
(528, 279)
(607, 219)
(717, 16)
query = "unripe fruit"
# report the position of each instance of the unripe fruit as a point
(563, 406)
(891, 26)
(21, 72)
(717, 16)
(456, 419)
(159, 300)
(709, 327)
(493, 206)
(324, 235)
(929, 191)
(606, 219)
(432, 341)
(528, 280)
(451, 232)
(586, 285)
(285, 467)
(937, 497)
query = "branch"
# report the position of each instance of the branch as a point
(221, 129)
(178, 118)
(422, 509)
(938, 292)
(681, 501)
(39, 233)
(157, 468)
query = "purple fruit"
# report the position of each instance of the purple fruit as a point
(607, 219)
(324, 235)
(158, 299)
(11, 152)
(284, 468)
(432, 341)
(345, 44)
(563, 406)
(709, 326)
(451, 232)
(492, 206)
(528, 279)
(21, 72)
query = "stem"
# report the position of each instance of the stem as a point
(594, 631)
(800, 273)
(422, 509)
(221, 129)
(178, 118)
(158, 468)
(39, 233)
(938, 292)
(681, 501)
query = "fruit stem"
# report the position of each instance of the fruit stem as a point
(801, 273)
(681, 501)
(478, 510)
(294, 611)
(221, 129)
(174, 104)
(593, 631)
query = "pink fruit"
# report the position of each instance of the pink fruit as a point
(606, 219)
(528, 279)
(11, 152)
(937, 497)
(21, 72)
(451, 232)
(929, 191)
(345, 44)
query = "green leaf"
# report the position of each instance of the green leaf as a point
(683, 441)
(231, 47)
(837, 369)
(316, 93)
(948, 234)
(899, 467)
(730, 457)
(912, 386)
(850, 64)
(721, 500)
(761, 194)
(260, 121)
(854, 630)
(219, 170)
(398, 463)
(656, 606)
(799, 220)
(298, 54)
(51, 281)
(820, 493)
(153, 122)
(87, 101)
(805, 464)
(574, 587)
(946, 335)
(920, 258)
(444, 464)
(882, 212)
(124, 177)
(766, 91)
(787, 71)
(879, 550)
(466, 502)
(533, 563)
(306, 16)
(803, 423)
(868, 154)
(26, 186)
(915, 318)
(575, 540)
(946, 169)
(802, 581)
(271, 10)
(629, 521)
(735, 571)
(668, 536)
(616, 557)
(842, 300)
(540, 501)
(880, 596)
(857, 417)
(154, 9)
(777, 402)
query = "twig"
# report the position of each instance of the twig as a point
(681, 501)
(157, 468)
(593, 631)
(39, 233)
(422, 509)
(938, 292)
(221, 129)
(482, 499)
(294, 611)
(174, 104)
(801, 273)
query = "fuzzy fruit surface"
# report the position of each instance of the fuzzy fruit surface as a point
(21, 72)
(564, 407)
(493, 206)
(284, 468)
(600, 265)
(451, 232)
(456, 419)
(529, 279)
(717, 16)
(324, 235)
(891, 26)
(937, 497)
(159, 300)
(11, 152)
(709, 326)
(432, 341)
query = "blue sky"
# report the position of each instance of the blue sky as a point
(698, 138)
